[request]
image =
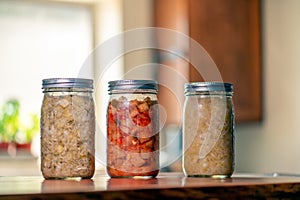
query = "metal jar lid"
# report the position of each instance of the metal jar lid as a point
(132, 85)
(67, 83)
(208, 87)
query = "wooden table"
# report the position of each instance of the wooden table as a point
(166, 185)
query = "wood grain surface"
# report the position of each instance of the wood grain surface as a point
(166, 186)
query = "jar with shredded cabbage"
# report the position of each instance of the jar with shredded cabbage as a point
(67, 129)
(132, 129)
(208, 130)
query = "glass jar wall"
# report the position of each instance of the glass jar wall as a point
(133, 129)
(208, 130)
(67, 129)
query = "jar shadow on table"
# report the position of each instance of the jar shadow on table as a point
(117, 183)
(54, 186)
(190, 181)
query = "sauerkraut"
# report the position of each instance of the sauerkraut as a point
(67, 136)
(208, 136)
(132, 137)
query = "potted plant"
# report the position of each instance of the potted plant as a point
(14, 134)
(9, 121)
(27, 132)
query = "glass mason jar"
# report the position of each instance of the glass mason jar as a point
(133, 129)
(67, 128)
(208, 130)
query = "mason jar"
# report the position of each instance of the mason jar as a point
(132, 129)
(208, 130)
(67, 128)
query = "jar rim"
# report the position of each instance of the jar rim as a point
(67, 83)
(132, 85)
(208, 87)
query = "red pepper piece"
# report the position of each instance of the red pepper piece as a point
(143, 119)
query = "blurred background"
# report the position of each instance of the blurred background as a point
(255, 45)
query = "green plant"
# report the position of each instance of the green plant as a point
(9, 120)
(29, 130)
(11, 127)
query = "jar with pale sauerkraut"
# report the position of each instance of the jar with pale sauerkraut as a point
(67, 128)
(132, 129)
(208, 130)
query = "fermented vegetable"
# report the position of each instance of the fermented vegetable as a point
(133, 137)
(67, 139)
(208, 132)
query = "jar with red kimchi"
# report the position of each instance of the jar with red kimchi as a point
(133, 129)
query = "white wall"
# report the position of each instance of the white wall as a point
(108, 24)
(274, 144)
(137, 14)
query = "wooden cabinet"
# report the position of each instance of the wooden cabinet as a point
(230, 31)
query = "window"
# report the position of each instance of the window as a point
(39, 39)
(46, 39)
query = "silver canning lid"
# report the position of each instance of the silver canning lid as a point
(132, 85)
(208, 87)
(67, 83)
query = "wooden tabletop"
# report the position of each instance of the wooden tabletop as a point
(166, 185)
